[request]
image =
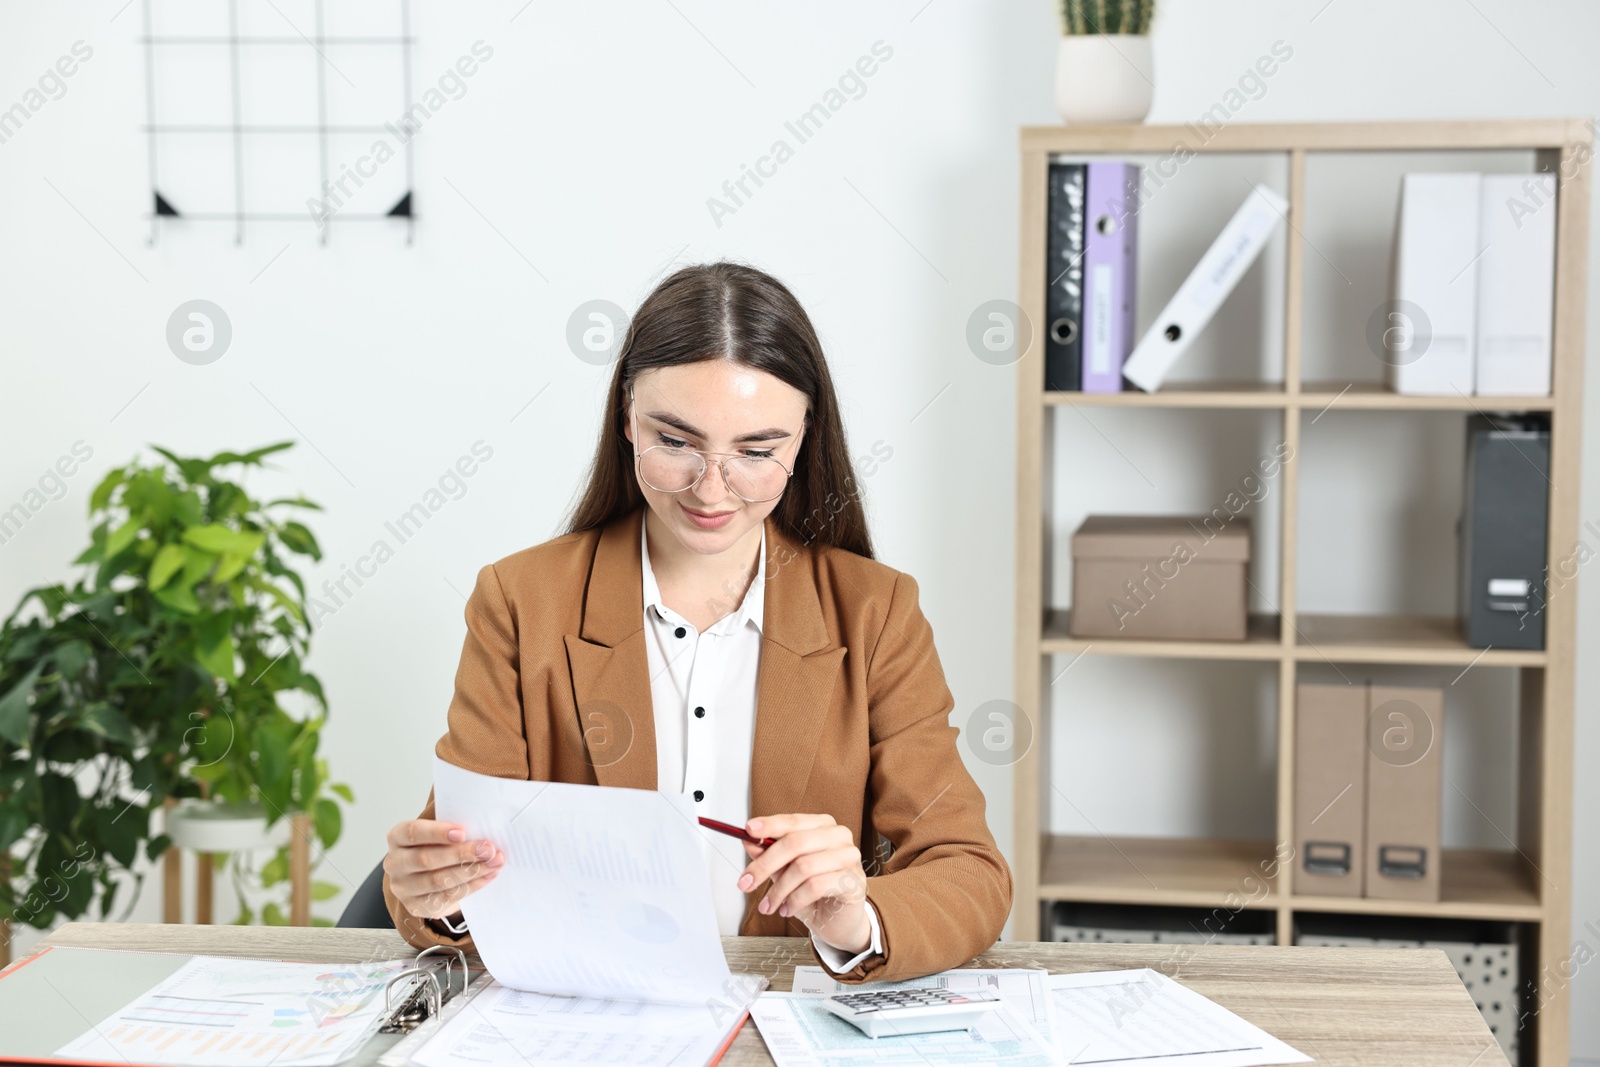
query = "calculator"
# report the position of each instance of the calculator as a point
(889, 1012)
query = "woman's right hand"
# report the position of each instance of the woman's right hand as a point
(431, 866)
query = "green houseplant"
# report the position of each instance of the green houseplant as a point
(1104, 70)
(164, 670)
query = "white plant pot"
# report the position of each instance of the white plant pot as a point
(1104, 78)
(214, 826)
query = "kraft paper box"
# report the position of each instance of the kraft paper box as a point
(1159, 576)
(1330, 789)
(1405, 791)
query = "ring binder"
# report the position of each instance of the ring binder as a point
(428, 998)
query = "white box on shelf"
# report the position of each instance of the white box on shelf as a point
(1516, 284)
(1427, 338)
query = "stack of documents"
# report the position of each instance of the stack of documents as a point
(800, 1032)
(1137, 1018)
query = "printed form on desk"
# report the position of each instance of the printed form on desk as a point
(1142, 1018)
(220, 1012)
(1138, 1018)
(504, 1027)
(800, 1032)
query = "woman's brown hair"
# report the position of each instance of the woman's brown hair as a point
(731, 311)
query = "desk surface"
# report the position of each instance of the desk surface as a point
(1368, 1007)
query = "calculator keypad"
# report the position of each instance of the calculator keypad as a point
(886, 999)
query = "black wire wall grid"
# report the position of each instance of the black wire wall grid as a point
(165, 210)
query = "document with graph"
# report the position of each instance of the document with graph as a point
(237, 1012)
(603, 893)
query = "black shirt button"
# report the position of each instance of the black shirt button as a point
(698, 796)
(699, 713)
(679, 632)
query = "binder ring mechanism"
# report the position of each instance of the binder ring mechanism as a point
(429, 998)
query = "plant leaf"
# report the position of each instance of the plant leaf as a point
(276, 869)
(344, 791)
(179, 598)
(219, 539)
(195, 565)
(72, 657)
(13, 822)
(102, 719)
(166, 564)
(301, 540)
(123, 831)
(60, 801)
(108, 898)
(209, 772)
(325, 815)
(108, 485)
(261, 453)
(214, 645)
(230, 565)
(261, 585)
(122, 537)
(14, 707)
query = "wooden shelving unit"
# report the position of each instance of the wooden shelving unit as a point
(1529, 884)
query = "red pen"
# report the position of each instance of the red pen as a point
(734, 831)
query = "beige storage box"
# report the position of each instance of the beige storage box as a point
(1405, 792)
(1330, 789)
(1160, 576)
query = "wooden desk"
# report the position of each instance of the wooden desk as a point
(1356, 1006)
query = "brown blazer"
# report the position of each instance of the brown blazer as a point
(852, 721)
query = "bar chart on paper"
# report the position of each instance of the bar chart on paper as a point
(235, 1013)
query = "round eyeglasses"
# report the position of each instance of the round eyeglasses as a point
(676, 468)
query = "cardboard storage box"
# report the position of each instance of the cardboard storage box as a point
(1330, 789)
(1405, 791)
(1160, 576)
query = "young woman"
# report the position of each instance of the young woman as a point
(713, 622)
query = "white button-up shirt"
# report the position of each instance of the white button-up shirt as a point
(703, 693)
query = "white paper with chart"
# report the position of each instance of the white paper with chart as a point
(603, 893)
(220, 1012)
(503, 1027)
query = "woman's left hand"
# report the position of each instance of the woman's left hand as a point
(816, 875)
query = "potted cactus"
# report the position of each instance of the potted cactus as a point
(1104, 71)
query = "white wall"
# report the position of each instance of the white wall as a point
(577, 166)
